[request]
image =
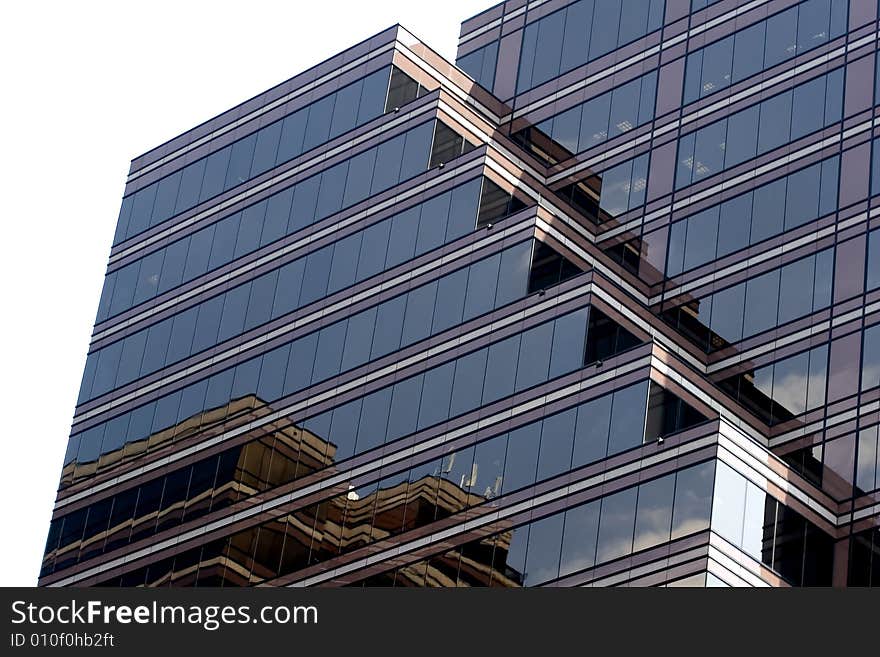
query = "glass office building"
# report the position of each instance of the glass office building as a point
(597, 306)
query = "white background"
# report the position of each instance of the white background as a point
(86, 87)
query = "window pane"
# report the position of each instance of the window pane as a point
(404, 407)
(468, 388)
(616, 524)
(802, 197)
(451, 291)
(305, 199)
(628, 418)
(624, 108)
(796, 290)
(501, 369)
(591, 431)
(223, 246)
(547, 57)
(545, 538)
(316, 275)
(374, 419)
(709, 150)
(790, 385)
(358, 339)
(748, 54)
(292, 132)
(775, 127)
(606, 21)
(534, 356)
(579, 538)
(318, 124)
(328, 356)
(717, 62)
(266, 148)
(432, 223)
(215, 173)
(594, 122)
(654, 512)
(481, 285)
(733, 224)
(332, 190)
(727, 313)
(288, 287)
(262, 295)
(742, 137)
(768, 210)
(728, 506)
(360, 176)
(436, 395)
(373, 247)
(240, 159)
(402, 241)
(693, 499)
(569, 335)
(762, 301)
(389, 156)
(702, 238)
(419, 313)
(522, 457)
(389, 326)
(234, 309)
(781, 43)
(557, 436)
(809, 108)
(207, 324)
(344, 264)
(514, 273)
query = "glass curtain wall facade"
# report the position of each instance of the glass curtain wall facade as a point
(596, 307)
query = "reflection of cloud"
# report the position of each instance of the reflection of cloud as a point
(574, 563)
(650, 538)
(540, 575)
(618, 546)
(652, 527)
(790, 391)
(686, 526)
(870, 373)
(816, 389)
(615, 534)
(866, 476)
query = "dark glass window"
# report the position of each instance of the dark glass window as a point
(601, 118)
(480, 64)
(501, 369)
(616, 525)
(704, 152)
(628, 418)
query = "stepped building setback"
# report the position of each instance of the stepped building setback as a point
(598, 305)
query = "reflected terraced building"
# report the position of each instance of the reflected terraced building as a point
(598, 306)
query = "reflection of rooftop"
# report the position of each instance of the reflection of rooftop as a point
(271, 455)
(223, 418)
(276, 457)
(343, 524)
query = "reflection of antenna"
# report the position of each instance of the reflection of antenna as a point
(467, 482)
(448, 462)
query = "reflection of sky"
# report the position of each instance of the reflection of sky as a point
(653, 528)
(866, 476)
(797, 376)
(870, 373)
(790, 390)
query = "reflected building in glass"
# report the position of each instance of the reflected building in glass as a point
(595, 306)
